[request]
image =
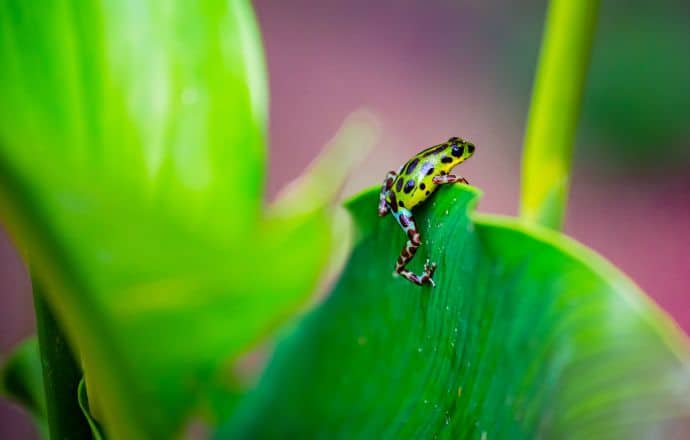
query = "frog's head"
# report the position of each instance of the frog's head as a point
(460, 149)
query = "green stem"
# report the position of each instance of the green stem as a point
(556, 101)
(61, 376)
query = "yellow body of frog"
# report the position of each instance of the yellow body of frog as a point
(414, 182)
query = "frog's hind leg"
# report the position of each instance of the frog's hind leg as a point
(387, 185)
(407, 223)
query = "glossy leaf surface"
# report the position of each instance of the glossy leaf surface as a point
(527, 334)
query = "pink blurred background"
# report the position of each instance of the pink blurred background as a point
(433, 69)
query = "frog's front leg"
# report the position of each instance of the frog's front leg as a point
(449, 178)
(387, 185)
(407, 223)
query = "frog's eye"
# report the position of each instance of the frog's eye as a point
(456, 150)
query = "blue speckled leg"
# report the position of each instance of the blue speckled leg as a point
(407, 223)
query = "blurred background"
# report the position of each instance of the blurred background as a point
(429, 70)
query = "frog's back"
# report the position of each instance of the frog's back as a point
(415, 178)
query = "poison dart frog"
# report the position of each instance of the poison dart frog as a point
(412, 184)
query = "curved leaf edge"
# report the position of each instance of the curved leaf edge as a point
(655, 316)
(658, 319)
(83, 399)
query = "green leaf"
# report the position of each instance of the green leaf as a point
(131, 173)
(83, 399)
(21, 379)
(527, 335)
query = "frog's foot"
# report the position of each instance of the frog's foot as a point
(429, 269)
(424, 278)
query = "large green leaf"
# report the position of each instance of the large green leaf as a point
(131, 173)
(527, 334)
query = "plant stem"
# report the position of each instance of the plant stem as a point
(61, 375)
(556, 101)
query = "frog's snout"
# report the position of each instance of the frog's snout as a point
(470, 148)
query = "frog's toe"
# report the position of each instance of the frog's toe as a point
(429, 267)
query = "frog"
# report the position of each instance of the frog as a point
(413, 183)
